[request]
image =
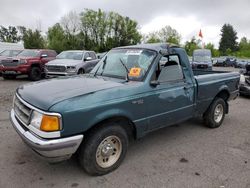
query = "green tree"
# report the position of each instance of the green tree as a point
(33, 39)
(152, 38)
(102, 31)
(228, 43)
(66, 35)
(215, 52)
(191, 45)
(244, 48)
(170, 35)
(9, 34)
(56, 38)
(166, 34)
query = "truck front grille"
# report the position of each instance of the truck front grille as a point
(22, 112)
(53, 68)
(202, 66)
(9, 63)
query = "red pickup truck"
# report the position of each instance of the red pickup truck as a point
(28, 62)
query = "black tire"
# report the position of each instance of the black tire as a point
(88, 155)
(80, 71)
(35, 74)
(210, 116)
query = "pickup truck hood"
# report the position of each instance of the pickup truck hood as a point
(45, 94)
(69, 62)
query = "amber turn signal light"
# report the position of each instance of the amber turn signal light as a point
(50, 123)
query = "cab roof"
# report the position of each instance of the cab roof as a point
(155, 46)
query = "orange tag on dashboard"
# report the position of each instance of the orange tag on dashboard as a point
(135, 72)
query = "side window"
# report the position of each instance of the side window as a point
(52, 53)
(86, 55)
(169, 69)
(44, 54)
(92, 55)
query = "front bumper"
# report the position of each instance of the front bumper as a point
(53, 150)
(54, 74)
(22, 69)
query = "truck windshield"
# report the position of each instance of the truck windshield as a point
(202, 55)
(10, 53)
(29, 53)
(70, 55)
(202, 58)
(123, 63)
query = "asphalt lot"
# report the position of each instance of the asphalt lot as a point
(184, 155)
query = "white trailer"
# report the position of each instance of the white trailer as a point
(10, 46)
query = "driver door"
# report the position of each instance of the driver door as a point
(172, 99)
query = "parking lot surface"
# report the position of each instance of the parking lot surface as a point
(183, 155)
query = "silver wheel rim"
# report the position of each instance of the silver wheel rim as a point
(218, 113)
(109, 151)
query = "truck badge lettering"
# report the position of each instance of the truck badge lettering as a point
(140, 101)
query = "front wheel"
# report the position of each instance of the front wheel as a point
(104, 149)
(80, 71)
(35, 74)
(215, 114)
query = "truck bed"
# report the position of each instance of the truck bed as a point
(209, 83)
(205, 72)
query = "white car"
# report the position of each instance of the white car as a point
(71, 63)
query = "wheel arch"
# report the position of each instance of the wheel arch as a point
(81, 68)
(122, 120)
(224, 94)
(35, 64)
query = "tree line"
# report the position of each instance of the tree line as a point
(101, 31)
(93, 30)
(228, 45)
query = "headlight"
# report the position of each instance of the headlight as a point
(22, 61)
(47, 123)
(36, 119)
(71, 68)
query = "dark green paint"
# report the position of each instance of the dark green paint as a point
(84, 101)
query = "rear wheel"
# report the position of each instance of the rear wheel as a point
(215, 114)
(104, 149)
(35, 74)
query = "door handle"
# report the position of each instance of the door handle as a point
(186, 87)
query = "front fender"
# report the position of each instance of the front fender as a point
(108, 114)
(80, 121)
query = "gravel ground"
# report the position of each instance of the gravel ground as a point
(184, 155)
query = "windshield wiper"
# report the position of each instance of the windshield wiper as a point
(127, 78)
(104, 64)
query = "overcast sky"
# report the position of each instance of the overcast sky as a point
(186, 16)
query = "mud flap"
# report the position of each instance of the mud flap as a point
(227, 107)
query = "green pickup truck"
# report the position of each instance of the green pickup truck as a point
(132, 91)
